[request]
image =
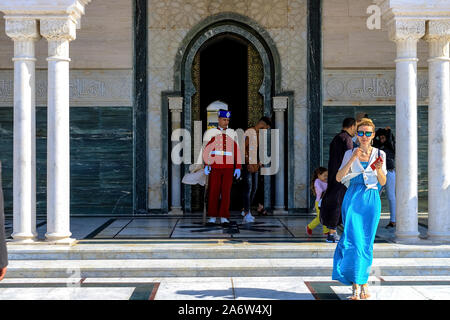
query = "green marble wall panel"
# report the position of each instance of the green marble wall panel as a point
(101, 159)
(382, 116)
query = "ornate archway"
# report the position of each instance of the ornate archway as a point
(239, 26)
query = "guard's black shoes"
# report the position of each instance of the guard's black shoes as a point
(390, 225)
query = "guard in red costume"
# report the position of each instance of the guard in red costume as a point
(222, 162)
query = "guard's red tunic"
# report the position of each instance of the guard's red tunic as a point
(222, 154)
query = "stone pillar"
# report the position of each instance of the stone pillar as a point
(406, 33)
(24, 32)
(280, 105)
(176, 107)
(438, 37)
(58, 32)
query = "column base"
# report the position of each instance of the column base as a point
(23, 238)
(407, 237)
(54, 238)
(439, 237)
(279, 211)
(176, 211)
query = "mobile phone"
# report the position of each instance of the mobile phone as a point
(379, 159)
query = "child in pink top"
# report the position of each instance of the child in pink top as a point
(318, 187)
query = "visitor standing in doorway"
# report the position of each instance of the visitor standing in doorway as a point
(330, 209)
(250, 170)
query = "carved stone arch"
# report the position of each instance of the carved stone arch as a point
(245, 28)
(244, 23)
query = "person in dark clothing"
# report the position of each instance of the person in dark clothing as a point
(330, 209)
(252, 166)
(3, 252)
(385, 140)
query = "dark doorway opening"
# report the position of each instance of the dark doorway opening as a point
(224, 77)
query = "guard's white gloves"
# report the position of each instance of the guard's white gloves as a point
(207, 170)
(237, 173)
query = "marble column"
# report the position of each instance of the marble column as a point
(438, 37)
(406, 33)
(280, 105)
(176, 107)
(58, 32)
(25, 33)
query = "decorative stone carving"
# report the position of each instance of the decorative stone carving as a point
(176, 104)
(406, 33)
(87, 88)
(297, 14)
(58, 32)
(438, 29)
(56, 29)
(22, 29)
(280, 103)
(297, 51)
(272, 14)
(438, 36)
(406, 29)
(367, 87)
(239, 6)
(185, 13)
(163, 46)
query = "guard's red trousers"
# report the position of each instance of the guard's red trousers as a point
(219, 186)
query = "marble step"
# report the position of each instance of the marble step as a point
(212, 251)
(216, 267)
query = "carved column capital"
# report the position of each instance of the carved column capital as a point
(58, 32)
(406, 29)
(280, 104)
(22, 29)
(406, 33)
(176, 104)
(438, 36)
(437, 29)
(58, 29)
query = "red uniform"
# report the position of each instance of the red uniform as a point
(222, 154)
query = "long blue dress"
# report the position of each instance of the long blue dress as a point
(361, 211)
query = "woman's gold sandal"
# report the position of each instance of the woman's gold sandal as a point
(365, 292)
(355, 292)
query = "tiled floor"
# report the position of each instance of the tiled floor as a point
(271, 227)
(219, 288)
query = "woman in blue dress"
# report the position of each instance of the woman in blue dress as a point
(361, 210)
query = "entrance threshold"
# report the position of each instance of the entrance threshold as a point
(170, 229)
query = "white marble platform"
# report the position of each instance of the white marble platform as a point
(220, 288)
(270, 227)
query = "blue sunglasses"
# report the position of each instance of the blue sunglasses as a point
(367, 133)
